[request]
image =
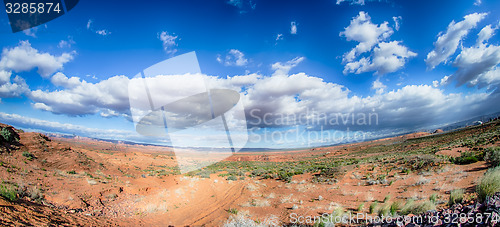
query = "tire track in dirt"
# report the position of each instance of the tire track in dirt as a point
(230, 196)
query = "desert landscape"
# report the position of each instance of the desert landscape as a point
(49, 181)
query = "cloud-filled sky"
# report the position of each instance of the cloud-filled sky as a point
(415, 65)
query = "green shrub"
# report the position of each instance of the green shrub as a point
(361, 207)
(489, 184)
(8, 135)
(466, 158)
(71, 172)
(492, 155)
(456, 196)
(8, 192)
(28, 155)
(395, 207)
(373, 207)
(433, 198)
(232, 178)
(233, 211)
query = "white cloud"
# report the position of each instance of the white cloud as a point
(233, 58)
(293, 28)
(485, 34)
(362, 30)
(378, 86)
(80, 97)
(477, 66)
(444, 81)
(477, 2)
(89, 24)
(447, 43)
(66, 43)
(397, 22)
(103, 32)
(412, 106)
(279, 37)
(31, 32)
(386, 57)
(24, 58)
(243, 5)
(14, 88)
(169, 42)
(51, 126)
(352, 2)
(283, 68)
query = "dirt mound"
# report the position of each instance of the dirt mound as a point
(438, 131)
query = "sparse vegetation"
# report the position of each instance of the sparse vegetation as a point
(395, 207)
(492, 155)
(361, 207)
(467, 158)
(417, 208)
(233, 211)
(8, 192)
(489, 184)
(433, 198)
(384, 210)
(387, 198)
(456, 196)
(28, 155)
(373, 207)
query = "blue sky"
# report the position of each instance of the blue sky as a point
(294, 56)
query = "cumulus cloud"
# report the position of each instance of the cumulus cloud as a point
(283, 68)
(80, 97)
(278, 95)
(443, 82)
(293, 28)
(478, 66)
(169, 42)
(413, 106)
(24, 58)
(14, 88)
(233, 58)
(378, 86)
(386, 57)
(485, 34)
(447, 42)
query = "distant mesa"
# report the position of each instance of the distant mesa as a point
(438, 131)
